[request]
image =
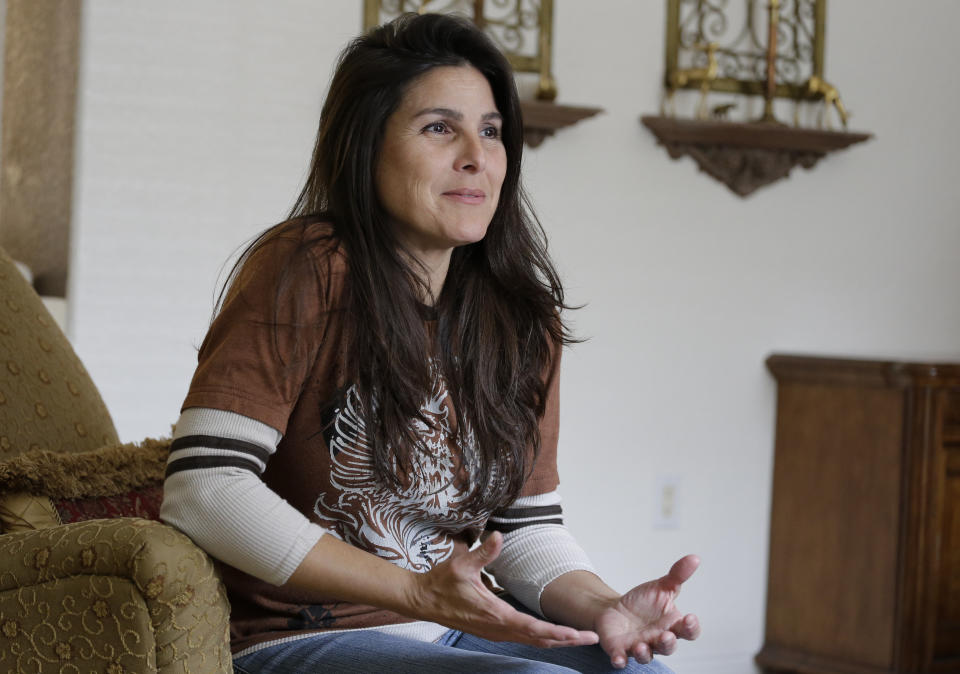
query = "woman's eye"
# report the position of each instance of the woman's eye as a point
(490, 132)
(436, 127)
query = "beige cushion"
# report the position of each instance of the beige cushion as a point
(20, 511)
(47, 399)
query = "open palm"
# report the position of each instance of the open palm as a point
(646, 620)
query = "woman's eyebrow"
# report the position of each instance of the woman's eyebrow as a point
(443, 112)
(456, 114)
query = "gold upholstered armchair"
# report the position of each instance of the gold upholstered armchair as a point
(90, 581)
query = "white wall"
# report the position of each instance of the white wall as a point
(196, 122)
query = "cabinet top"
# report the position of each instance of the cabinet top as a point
(863, 372)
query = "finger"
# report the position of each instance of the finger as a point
(641, 653)
(681, 571)
(666, 644)
(552, 643)
(550, 638)
(509, 624)
(487, 551)
(618, 658)
(544, 632)
(687, 627)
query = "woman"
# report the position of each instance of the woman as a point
(379, 391)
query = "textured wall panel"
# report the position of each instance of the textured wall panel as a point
(39, 106)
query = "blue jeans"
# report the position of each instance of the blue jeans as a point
(455, 653)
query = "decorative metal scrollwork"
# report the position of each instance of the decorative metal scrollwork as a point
(738, 29)
(523, 29)
(771, 48)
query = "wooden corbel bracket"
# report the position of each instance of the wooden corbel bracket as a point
(542, 119)
(746, 156)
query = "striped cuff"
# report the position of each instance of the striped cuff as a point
(537, 547)
(514, 518)
(207, 438)
(213, 492)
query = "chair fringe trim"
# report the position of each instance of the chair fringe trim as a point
(107, 471)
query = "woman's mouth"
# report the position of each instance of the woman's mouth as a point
(466, 196)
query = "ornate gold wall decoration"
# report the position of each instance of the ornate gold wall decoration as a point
(768, 48)
(523, 29)
(740, 31)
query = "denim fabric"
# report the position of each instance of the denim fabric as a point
(364, 652)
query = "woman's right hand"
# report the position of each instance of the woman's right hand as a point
(453, 594)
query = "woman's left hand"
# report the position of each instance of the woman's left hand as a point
(645, 621)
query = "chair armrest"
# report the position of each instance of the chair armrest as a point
(187, 605)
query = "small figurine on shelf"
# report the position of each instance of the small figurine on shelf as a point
(819, 88)
(722, 111)
(681, 78)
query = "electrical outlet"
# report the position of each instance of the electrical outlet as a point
(667, 505)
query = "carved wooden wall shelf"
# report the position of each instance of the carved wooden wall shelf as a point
(542, 119)
(746, 156)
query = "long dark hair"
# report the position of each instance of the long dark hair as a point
(498, 326)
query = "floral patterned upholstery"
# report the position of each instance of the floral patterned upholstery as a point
(101, 595)
(120, 595)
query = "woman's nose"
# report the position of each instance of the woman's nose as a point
(471, 156)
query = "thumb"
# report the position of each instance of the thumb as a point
(681, 571)
(487, 551)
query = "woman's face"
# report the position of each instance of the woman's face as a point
(442, 162)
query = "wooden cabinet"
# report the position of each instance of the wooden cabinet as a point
(864, 570)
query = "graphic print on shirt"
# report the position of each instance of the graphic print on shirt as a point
(411, 526)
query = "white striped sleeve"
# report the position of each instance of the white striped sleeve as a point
(213, 492)
(537, 547)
